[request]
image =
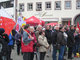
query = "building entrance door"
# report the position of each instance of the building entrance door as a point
(77, 19)
(66, 20)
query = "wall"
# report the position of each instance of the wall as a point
(56, 15)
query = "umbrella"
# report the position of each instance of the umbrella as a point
(33, 21)
(7, 24)
(52, 24)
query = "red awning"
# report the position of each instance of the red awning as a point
(34, 21)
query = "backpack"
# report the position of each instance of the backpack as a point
(3, 46)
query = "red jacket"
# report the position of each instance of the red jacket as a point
(29, 47)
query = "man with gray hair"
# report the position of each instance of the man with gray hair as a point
(54, 40)
(39, 29)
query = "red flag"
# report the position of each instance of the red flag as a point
(17, 27)
(69, 23)
(7, 24)
(78, 24)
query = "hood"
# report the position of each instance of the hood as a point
(2, 31)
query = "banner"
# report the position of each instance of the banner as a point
(20, 21)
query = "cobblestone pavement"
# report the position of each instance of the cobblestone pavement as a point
(16, 57)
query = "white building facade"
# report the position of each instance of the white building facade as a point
(60, 11)
(8, 6)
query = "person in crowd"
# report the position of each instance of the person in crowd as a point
(10, 46)
(18, 41)
(4, 40)
(42, 40)
(65, 37)
(38, 29)
(58, 42)
(27, 43)
(54, 36)
(54, 41)
(70, 41)
(48, 34)
(61, 41)
(14, 33)
(77, 42)
(34, 41)
(4, 35)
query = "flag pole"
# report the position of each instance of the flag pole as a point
(15, 10)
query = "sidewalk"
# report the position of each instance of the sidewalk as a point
(16, 57)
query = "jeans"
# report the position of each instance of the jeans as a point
(61, 53)
(76, 49)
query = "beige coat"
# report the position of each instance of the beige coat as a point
(43, 42)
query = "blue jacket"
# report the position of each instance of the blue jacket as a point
(10, 39)
(26, 38)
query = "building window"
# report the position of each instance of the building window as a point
(48, 5)
(30, 6)
(21, 7)
(4, 5)
(67, 4)
(58, 5)
(38, 6)
(78, 4)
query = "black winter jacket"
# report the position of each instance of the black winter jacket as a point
(70, 40)
(48, 36)
(54, 37)
(60, 39)
(77, 39)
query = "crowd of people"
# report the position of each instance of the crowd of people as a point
(31, 40)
